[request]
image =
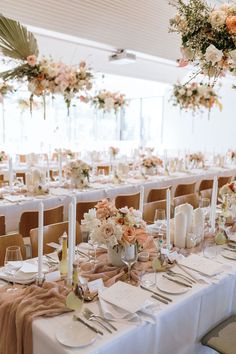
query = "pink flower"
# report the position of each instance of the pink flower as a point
(31, 59)
(82, 64)
(183, 62)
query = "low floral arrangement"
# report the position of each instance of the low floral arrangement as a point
(115, 227)
(195, 96)
(78, 172)
(108, 101)
(208, 36)
(232, 155)
(44, 76)
(5, 88)
(3, 156)
(228, 189)
(66, 153)
(113, 151)
(152, 161)
(196, 157)
(227, 196)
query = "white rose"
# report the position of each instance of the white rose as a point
(182, 92)
(202, 90)
(225, 8)
(189, 93)
(213, 54)
(218, 18)
(109, 103)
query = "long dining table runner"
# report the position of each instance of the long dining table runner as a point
(18, 309)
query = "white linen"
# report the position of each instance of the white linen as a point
(177, 329)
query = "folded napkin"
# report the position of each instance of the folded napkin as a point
(180, 229)
(17, 311)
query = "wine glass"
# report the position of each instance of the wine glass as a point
(13, 261)
(209, 248)
(129, 255)
(159, 217)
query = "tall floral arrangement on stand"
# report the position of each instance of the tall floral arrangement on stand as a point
(195, 96)
(78, 171)
(108, 101)
(208, 36)
(44, 76)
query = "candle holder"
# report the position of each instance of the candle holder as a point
(39, 281)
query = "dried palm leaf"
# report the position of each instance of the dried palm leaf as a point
(15, 40)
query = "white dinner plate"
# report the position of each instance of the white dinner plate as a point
(75, 335)
(169, 287)
(229, 255)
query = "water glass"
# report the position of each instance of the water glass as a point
(209, 248)
(129, 255)
(12, 262)
(204, 203)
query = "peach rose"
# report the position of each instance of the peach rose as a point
(102, 204)
(107, 230)
(31, 60)
(141, 236)
(102, 213)
(129, 235)
(183, 62)
(231, 24)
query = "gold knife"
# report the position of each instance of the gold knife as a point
(156, 293)
(77, 318)
(177, 281)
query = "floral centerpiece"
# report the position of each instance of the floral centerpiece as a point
(232, 155)
(150, 164)
(78, 172)
(113, 151)
(227, 195)
(44, 76)
(108, 101)
(195, 96)
(3, 156)
(5, 88)
(208, 36)
(196, 159)
(115, 227)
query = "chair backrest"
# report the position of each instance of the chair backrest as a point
(83, 207)
(129, 200)
(10, 240)
(184, 189)
(157, 194)
(29, 219)
(2, 225)
(150, 208)
(2, 178)
(51, 233)
(105, 168)
(22, 175)
(224, 180)
(192, 199)
(206, 184)
(206, 193)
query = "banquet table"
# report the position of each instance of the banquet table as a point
(62, 196)
(175, 329)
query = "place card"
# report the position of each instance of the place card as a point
(53, 276)
(126, 296)
(95, 285)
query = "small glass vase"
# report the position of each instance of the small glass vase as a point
(114, 256)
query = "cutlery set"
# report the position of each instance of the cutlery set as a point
(100, 320)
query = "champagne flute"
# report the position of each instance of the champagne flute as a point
(129, 255)
(12, 262)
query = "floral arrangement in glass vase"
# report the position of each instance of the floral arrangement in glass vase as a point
(195, 96)
(78, 172)
(196, 159)
(114, 227)
(208, 36)
(150, 164)
(44, 76)
(108, 101)
(5, 88)
(113, 151)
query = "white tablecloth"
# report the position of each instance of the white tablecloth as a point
(177, 330)
(13, 211)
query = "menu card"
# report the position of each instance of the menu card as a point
(202, 265)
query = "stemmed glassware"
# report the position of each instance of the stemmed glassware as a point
(13, 261)
(129, 255)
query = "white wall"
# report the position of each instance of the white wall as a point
(182, 130)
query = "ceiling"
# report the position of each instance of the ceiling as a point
(91, 30)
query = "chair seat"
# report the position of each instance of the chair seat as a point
(223, 337)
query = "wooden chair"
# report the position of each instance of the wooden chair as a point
(105, 168)
(192, 199)
(83, 207)
(29, 219)
(224, 180)
(51, 233)
(206, 184)
(157, 194)
(184, 189)
(21, 175)
(10, 240)
(150, 208)
(129, 200)
(1, 178)
(2, 225)
(222, 338)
